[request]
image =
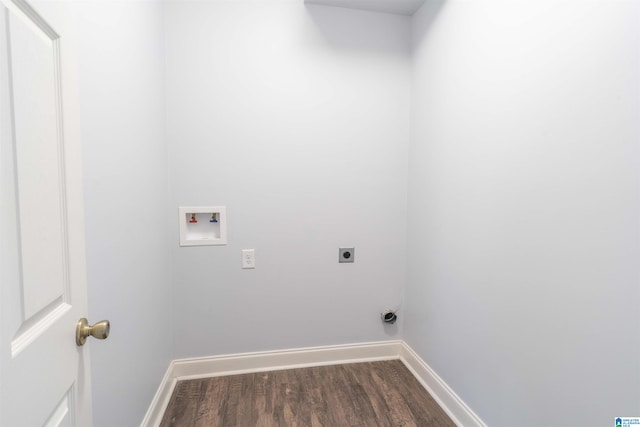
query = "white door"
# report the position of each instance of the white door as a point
(44, 375)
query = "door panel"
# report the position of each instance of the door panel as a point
(44, 375)
(63, 414)
(35, 80)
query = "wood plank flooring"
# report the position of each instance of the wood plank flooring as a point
(361, 394)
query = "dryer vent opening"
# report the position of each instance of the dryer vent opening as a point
(389, 316)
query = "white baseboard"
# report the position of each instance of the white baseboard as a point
(203, 367)
(455, 407)
(284, 359)
(160, 401)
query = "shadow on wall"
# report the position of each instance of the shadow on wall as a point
(429, 12)
(356, 30)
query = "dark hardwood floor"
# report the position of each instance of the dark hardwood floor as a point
(361, 394)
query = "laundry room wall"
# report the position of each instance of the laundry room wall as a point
(296, 118)
(524, 210)
(121, 89)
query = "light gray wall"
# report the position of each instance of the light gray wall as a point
(523, 226)
(295, 118)
(125, 167)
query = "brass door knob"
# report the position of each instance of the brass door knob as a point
(100, 330)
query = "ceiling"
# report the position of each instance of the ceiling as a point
(400, 7)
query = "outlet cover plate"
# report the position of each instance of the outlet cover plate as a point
(248, 258)
(346, 255)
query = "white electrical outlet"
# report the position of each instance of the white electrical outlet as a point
(248, 258)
